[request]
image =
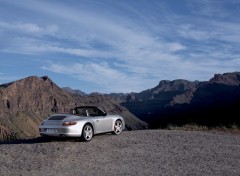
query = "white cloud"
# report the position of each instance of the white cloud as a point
(41, 48)
(102, 75)
(120, 35)
(137, 77)
(28, 28)
(133, 46)
(214, 30)
(188, 31)
(209, 8)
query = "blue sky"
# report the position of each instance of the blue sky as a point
(118, 45)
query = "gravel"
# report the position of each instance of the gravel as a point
(145, 152)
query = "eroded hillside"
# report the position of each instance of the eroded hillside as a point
(26, 102)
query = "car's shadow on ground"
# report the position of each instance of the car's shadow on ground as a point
(49, 139)
(39, 140)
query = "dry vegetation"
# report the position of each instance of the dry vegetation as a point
(234, 128)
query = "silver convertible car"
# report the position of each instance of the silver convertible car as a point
(83, 121)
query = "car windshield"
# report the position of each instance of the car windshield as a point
(89, 111)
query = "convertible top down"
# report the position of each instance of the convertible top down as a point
(83, 121)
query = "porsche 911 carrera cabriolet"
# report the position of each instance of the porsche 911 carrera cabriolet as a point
(83, 122)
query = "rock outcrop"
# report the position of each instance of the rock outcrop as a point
(180, 102)
(26, 102)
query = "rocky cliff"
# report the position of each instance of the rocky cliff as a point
(26, 102)
(146, 103)
(213, 102)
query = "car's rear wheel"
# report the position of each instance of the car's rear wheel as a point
(118, 127)
(87, 132)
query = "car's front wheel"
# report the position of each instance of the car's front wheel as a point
(87, 132)
(118, 127)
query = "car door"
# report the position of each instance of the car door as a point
(102, 122)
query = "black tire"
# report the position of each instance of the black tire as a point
(87, 132)
(118, 127)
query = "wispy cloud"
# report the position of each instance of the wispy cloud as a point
(223, 31)
(101, 75)
(137, 43)
(210, 8)
(188, 31)
(28, 28)
(130, 77)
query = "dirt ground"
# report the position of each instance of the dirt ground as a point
(145, 152)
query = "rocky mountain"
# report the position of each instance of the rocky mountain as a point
(232, 79)
(26, 102)
(164, 91)
(161, 94)
(74, 91)
(117, 97)
(145, 104)
(180, 102)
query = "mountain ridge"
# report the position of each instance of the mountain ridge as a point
(74, 91)
(26, 102)
(180, 102)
